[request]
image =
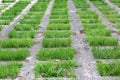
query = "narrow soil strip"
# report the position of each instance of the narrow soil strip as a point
(84, 56)
(27, 71)
(113, 6)
(8, 28)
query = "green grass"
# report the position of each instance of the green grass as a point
(98, 32)
(109, 69)
(10, 70)
(108, 11)
(11, 13)
(21, 34)
(57, 21)
(16, 43)
(59, 16)
(58, 27)
(116, 2)
(90, 21)
(55, 69)
(11, 55)
(6, 1)
(102, 41)
(56, 42)
(106, 53)
(56, 53)
(23, 27)
(81, 4)
(57, 34)
(62, 12)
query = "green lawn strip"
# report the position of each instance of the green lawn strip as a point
(58, 27)
(57, 34)
(91, 20)
(30, 21)
(25, 27)
(56, 53)
(93, 26)
(64, 12)
(55, 69)
(59, 21)
(16, 43)
(21, 34)
(10, 69)
(81, 4)
(102, 41)
(56, 42)
(109, 68)
(7, 1)
(59, 16)
(106, 53)
(12, 55)
(99, 32)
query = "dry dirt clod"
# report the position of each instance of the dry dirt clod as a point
(82, 31)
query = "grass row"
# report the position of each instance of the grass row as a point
(99, 36)
(7, 1)
(57, 52)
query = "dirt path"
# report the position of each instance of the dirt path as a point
(84, 56)
(8, 28)
(27, 71)
(113, 6)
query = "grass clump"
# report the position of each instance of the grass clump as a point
(109, 69)
(21, 34)
(106, 53)
(62, 21)
(55, 69)
(56, 42)
(10, 70)
(19, 54)
(98, 32)
(58, 27)
(16, 43)
(56, 53)
(102, 41)
(57, 34)
(6, 1)
(23, 27)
